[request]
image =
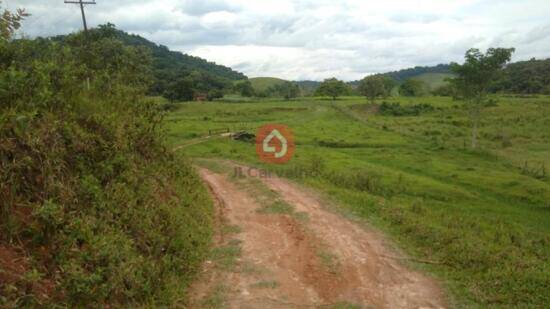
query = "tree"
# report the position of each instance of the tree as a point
(287, 90)
(291, 90)
(186, 85)
(215, 94)
(332, 87)
(244, 88)
(180, 90)
(412, 88)
(445, 90)
(372, 87)
(475, 77)
(389, 83)
(10, 22)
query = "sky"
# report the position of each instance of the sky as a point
(313, 39)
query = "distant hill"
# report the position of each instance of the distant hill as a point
(433, 80)
(433, 76)
(402, 75)
(263, 83)
(308, 87)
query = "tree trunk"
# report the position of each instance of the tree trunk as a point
(475, 114)
(474, 133)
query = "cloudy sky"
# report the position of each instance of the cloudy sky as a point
(313, 39)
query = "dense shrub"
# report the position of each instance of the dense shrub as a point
(358, 180)
(286, 90)
(446, 90)
(412, 88)
(396, 109)
(95, 210)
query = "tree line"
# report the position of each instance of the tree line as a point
(287, 90)
(524, 77)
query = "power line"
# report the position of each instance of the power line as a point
(82, 3)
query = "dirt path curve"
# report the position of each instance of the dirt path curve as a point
(306, 258)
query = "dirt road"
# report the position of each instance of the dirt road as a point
(279, 247)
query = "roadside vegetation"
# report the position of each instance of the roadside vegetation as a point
(95, 210)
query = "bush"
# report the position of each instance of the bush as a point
(444, 91)
(215, 94)
(361, 180)
(94, 206)
(412, 88)
(395, 109)
(168, 106)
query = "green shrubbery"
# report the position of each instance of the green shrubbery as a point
(286, 90)
(396, 109)
(412, 88)
(95, 210)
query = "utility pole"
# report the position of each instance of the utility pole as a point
(82, 3)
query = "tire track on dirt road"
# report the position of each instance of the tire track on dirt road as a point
(286, 262)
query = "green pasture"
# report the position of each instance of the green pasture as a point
(481, 216)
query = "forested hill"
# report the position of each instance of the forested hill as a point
(402, 75)
(175, 75)
(527, 77)
(532, 76)
(163, 58)
(398, 76)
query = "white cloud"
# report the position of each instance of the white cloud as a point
(315, 39)
(219, 19)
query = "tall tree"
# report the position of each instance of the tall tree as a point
(372, 87)
(474, 78)
(332, 87)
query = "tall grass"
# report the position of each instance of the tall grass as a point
(96, 211)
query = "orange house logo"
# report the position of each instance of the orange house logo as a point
(275, 143)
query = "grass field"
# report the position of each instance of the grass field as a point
(482, 217)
